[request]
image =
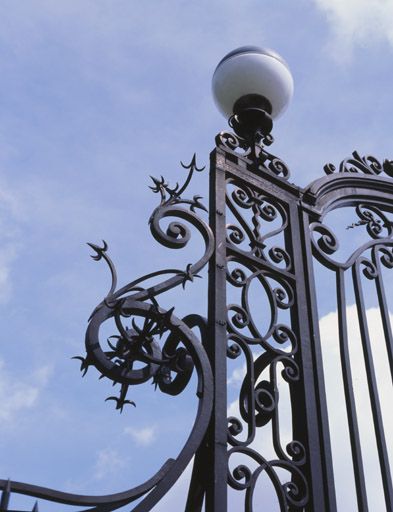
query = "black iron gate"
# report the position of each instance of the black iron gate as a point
(274, 233)
(263, 240)
(363, 185)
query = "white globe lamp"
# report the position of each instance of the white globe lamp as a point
(251, 87)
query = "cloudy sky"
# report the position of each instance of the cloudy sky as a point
(96, 95)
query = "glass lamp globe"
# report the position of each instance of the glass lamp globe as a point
(252, 77)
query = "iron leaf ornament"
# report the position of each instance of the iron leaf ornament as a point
(367, 164)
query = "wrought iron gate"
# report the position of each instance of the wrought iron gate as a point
(275, 233)
(264, 238)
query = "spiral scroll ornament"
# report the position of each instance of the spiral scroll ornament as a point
(262, 320)
(292, 495)
(254, 153)
(367, 165)
(151, 344)
(262, 290)
(325, 243)
(143, 327)
(375, 221)
(247, 203)
(268, 355)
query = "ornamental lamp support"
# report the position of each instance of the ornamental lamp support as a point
(265, 232)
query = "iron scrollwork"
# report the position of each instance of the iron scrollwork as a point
(258, 255)
(374, 220)
(325, 243)
(259, 394)
(264, 210)
(357, 164)
(262, 245)
(365, 262)
(165, 347)
(255, 153)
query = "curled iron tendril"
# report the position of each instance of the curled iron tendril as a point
(291, 495)
(138, 342)
(173, 195)
(151, 344)
(357, 164)
(264, 210)
(376, 223)
(254, 152)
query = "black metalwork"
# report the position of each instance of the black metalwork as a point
(165, 345)
(365, 261)
(264, 239)
(251, 117)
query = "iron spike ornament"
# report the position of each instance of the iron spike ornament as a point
(140, 332)
(267, 234)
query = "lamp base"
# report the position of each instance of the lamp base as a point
(251, 117)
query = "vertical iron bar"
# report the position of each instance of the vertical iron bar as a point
(5, 497)
(372, 388)
(349, 393)
(383, 308)
(196, 492)
(320, 464)
(216, 344)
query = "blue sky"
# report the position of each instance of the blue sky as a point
(94, 97)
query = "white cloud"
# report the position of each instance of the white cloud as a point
(142, 436)
(237, 375)
(17, 395)
(109, 462)
(357, 22)
(336, 404)
(7, 255)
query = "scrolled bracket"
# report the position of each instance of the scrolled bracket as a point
(254, 152)
(140, 331)
(151, 344)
